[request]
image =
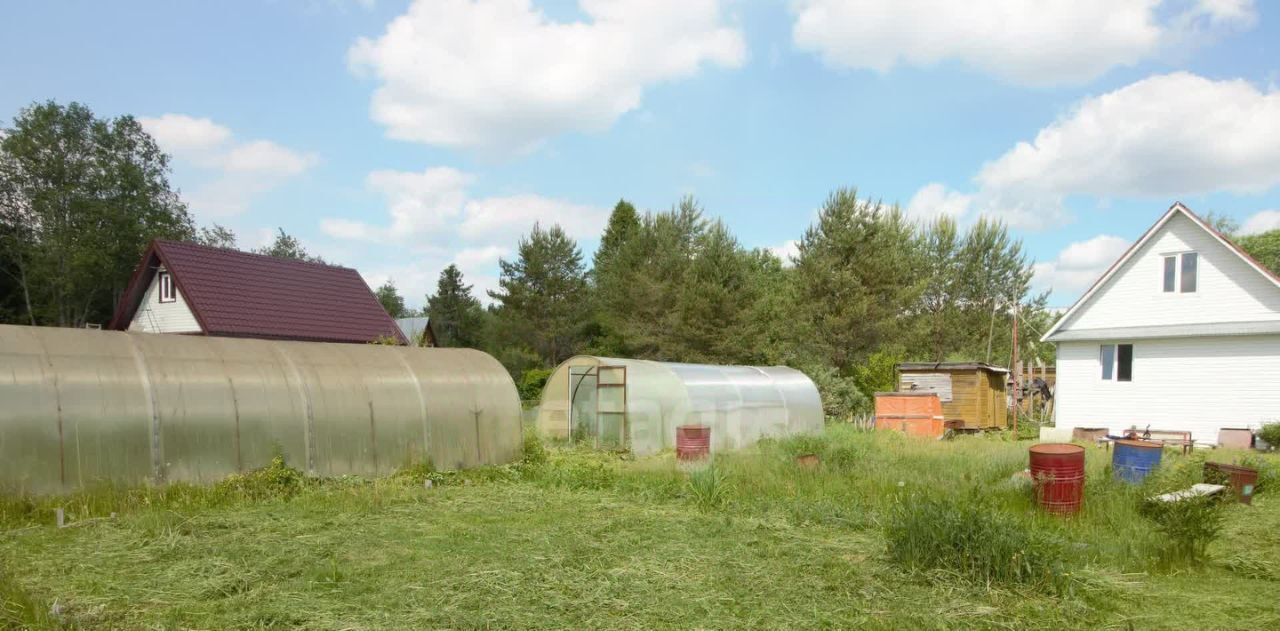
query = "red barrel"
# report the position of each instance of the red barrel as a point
(693, 442)
(1057, 470)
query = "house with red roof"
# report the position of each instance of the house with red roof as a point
(192, 289)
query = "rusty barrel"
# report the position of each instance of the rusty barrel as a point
(693, 442)
(1057, 470)
(1242, 480)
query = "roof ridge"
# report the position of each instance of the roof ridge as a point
(237, 251)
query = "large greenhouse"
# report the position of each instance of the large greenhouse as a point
(637, 404)
(81, 406)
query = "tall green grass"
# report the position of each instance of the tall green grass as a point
(935, 517)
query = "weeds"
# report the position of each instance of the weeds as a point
(966, 535)
(709, 488)
(1189, 525)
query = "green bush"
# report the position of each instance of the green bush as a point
(276, 480)
(1188, 525)
(532, 382)
(967, 535)
(1271, 434)
(534, 454)
(841, 398)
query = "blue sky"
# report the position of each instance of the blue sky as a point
(397, 136)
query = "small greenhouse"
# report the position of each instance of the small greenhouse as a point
(637, 404)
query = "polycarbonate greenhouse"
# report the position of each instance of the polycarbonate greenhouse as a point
(637, 404)
(81, 406)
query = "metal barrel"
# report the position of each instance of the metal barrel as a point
(693, 442)
(1242, 480)
(1057, 471)
(1132, 460)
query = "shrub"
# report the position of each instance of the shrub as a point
(1271, 434)
(532, 382)
(274, 480)
(1188, 525)
(966, 535)
(534, 454)
(841, 397)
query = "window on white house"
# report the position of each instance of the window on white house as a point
(1180, 277)
(165, 281)
(1117, 361)
(1124, 362)
(1189, 264)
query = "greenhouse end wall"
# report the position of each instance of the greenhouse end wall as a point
(84, 406)
(741, 404)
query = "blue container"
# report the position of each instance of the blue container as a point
(1132, 460)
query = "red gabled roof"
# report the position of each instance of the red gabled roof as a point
(238, 294)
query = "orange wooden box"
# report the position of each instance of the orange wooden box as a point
(912, 413)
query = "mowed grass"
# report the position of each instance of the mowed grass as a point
(589, 540)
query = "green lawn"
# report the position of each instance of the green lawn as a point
(600, 541)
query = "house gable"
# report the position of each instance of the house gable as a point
(168, 316)
(1230, 288)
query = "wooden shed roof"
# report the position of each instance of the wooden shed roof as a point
(950, 366)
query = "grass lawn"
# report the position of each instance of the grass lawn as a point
(587, 540)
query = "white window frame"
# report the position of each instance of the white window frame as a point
(165, 290)
(1178, 258)
(1115, 362)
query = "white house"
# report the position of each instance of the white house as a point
(1181, 333)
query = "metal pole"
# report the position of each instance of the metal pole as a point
(1017, 373)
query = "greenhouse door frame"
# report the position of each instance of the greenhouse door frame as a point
(624, 437)
(609, 405)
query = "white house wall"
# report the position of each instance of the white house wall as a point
(154, 316)
(1192, 384)
(1227, 288)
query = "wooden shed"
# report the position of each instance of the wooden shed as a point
(972, 393)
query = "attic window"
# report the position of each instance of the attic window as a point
(1180, 277)
(1189, 264)
(165, 282)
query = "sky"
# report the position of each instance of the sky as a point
(397, 137)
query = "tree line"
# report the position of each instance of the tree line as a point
(80, 198)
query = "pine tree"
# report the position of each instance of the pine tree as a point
(391, 299)
(456, 315)
(857, 275)
(543, 300)
(638, 289)
(624, 224)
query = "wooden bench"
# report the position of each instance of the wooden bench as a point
(1166, 437)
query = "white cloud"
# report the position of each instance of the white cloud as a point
(1079, 264)
(267, 158)
(935, 199)
(1262, 221)
(1163, 137)
(236, 171)
(501, 75)
(433, 214)
(433, 207)
(1039, 43)
(787, 251)
(506, 218)
(185, 135)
